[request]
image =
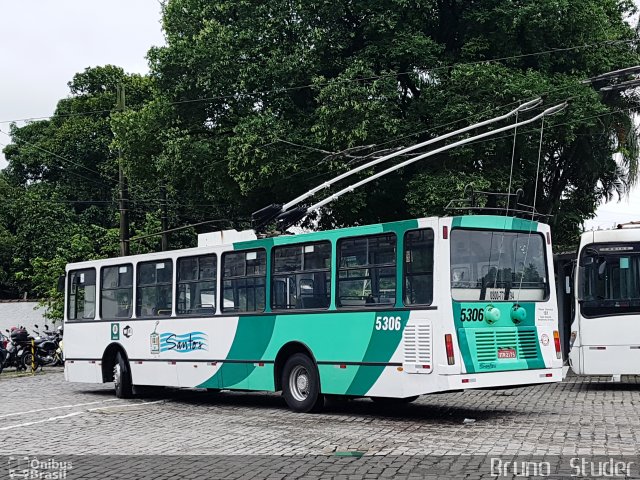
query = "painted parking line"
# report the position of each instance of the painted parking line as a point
(56, 408)
(73, 414)
(51, 419)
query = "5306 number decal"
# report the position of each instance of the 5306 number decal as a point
(471, 315)
(388, 323)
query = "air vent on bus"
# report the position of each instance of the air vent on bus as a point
(488, 342)
(417, 343)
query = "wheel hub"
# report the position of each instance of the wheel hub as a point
(303, 383)
(299, 383)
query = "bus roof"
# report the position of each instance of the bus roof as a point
(233, 240)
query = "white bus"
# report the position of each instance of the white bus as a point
(389, 311)
(605, 333)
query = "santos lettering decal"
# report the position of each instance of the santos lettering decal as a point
(187, 342)
(183, 343)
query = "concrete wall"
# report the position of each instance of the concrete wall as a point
(16, 313)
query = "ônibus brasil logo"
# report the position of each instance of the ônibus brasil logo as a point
(178, 342)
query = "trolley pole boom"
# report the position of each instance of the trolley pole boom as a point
(293, 216)
(522, 108)
(265, 215)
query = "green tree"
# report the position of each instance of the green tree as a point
(60, 188)
(255, 102)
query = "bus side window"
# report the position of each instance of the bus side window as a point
(154, 288)
(301, 277)
(367, 271)
(418, 267)
(196, 293)
(116, 292)
(82, 294)
(243, 281)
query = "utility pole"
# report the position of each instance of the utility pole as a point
(124, 187)
(164, 217)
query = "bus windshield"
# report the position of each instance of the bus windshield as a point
(498, 266)
(610, 279)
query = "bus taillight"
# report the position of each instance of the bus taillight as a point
(556, 341)
(448, 341)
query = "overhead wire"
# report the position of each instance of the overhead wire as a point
(492, 139)
(457, 64)
(347, 80)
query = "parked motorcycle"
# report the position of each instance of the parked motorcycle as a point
(55, 336)
(39, 351)
(15, 346)
(4, 342)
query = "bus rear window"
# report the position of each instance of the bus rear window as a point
(498, 266)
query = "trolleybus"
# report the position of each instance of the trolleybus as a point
(388, 311)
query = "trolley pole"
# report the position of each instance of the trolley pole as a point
(124, 187)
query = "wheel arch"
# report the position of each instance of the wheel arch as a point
(286, 351)
(109, 360)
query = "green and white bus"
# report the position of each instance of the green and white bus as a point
(388, 311)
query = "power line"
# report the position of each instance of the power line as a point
(347, 80)
(112, 202)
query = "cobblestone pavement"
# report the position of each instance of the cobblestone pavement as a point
(579, 417)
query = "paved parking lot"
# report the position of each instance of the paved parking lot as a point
(45, 415)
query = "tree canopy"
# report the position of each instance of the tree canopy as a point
(251, 103)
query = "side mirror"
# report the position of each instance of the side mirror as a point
(61, 282)
(36, 325)
(46, 327)
(602, 268)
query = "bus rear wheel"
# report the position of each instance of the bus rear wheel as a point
(122, 378)
(301, 384)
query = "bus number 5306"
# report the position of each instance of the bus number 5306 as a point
(388, 323)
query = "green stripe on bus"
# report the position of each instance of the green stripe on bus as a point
(252, 337)
(381, 347)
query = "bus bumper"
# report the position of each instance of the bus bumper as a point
(500, 379)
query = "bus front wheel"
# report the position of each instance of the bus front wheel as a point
(122, 377)
(301, 384)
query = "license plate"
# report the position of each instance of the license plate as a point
(506, 353)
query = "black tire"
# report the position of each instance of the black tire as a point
(122, 377)
(29, 362)
(301, 384)
(389, 401)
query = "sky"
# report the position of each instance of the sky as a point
(43, 43)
